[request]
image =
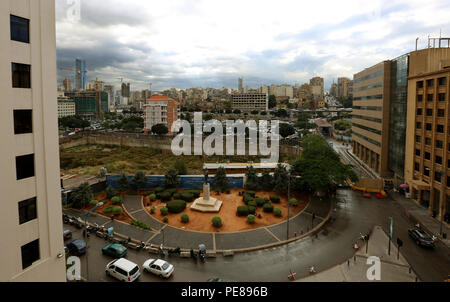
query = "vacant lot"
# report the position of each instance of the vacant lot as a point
(88, 159)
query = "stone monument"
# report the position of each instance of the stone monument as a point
(206, 203)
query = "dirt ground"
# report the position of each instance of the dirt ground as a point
(230, 221)
(107, 202)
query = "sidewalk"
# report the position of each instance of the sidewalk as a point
(355, 269)
(419, 214)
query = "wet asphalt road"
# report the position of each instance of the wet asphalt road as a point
(354, 215)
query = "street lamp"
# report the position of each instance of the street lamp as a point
(289, 204)
(86, 234)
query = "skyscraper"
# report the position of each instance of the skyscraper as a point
(126, 93)
(32, 247)
(80, 74)
(241, 85)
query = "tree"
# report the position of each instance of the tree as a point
(320, 166)
(171, 179)
(123, 181)
(81, 196)
(180, 165)
(139, 180)
(280, 179)
(272, 101)
(220, 180)
(237, 111)
(251, 182)
(267, 180)
(286, 130)
(160, 129)
(110, 193)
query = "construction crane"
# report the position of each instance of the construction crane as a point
(78, 74)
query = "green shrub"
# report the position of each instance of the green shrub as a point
(251, 219)
(177, 195)
(108, 210)
(247, 198)
(140, 224)
(260, 202)
(266, 199)
(252, 204)
(187, 196)
(293, 202)
(242, 211)
(176, 206)
(217, 221)
(166, 219)
(268, 208)
(159, 190)
(196, 193)
(152, 197)
(251, 210)
(185, 218)
(117, 200)
(165, 196)
(152, 210)
(275, 199)
(164, 211)
(93, 202)
(277, 212)
(251, 193)
(171, 191)
(117, 210)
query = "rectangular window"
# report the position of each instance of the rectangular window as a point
(428, 141)
(442, 81)
(420, 84)
(418, 152)
(30, 253)
(439, 160)
(27, 210)
(440, 128)
(429, 97)
(21, 75)
(418, 139)
(427, 155)
(419, 111)
(420, 97)
(23, 121)
(417, 167)
(439, 144)
(437, 176)
(429, 112)
(441, 113)
(430, 83)
(428, 127)
(25, 166)
(20, 29)
(441, 97)
(419, 125)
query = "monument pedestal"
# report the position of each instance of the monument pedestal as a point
(206, 203)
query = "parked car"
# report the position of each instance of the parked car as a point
(123, 270)
(421, 238)
(67, 234)
(158, 267)
(76, 247)
(114, 250)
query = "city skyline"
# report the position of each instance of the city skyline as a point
(183, 45)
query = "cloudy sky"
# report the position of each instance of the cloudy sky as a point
(210, 43)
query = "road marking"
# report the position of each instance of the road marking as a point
(273, 235)
(137, 211)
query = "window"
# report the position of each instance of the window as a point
(441, 97)
(25, 166)
(420, 84)
(428, 141)
(418, 138)
(430, 83)
(27, 210)
(448, 163)
(427, 155)
(426, 171)
(439, 144)
(442, 81)
(30, 253)
(21, 75)
(20, 29)
(428, 127)
(23, 121)
(419, 125)
(418, 152)
(439, 160)
(441, 113)
(417, 167)
(420, 97)
(437, 176)
(429, 112)
(429, 97)
(440, 128)
(419, 111)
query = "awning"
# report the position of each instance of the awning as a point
(420, 185)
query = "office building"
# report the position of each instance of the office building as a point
(31, 245)
(90, 104)
(67, 83)
(241, 85)
(343, 87)
(427, 154)
(66, 107)
(317, 88)
(160, 110)
(126, 92)
(250, 101)
(80, 74)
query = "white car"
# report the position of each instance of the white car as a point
(158, 267)
(123, 270)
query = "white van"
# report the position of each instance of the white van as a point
(123, 270)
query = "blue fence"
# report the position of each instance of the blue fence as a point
(186, 182)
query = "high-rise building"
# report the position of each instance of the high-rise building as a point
(90, 104)
(67, 83)
(342, 87)
(241, 85)
(66, 107)
(80, 74)
(317, 88)
(126, 92)
(32, 247)
(160, 110)
(250, 101)
(427, 154)
(334, 90)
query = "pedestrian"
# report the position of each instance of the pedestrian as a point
(312, 270)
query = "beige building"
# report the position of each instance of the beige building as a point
(66, 107)
(160, 109)
(343, 87)
(31, 246)
(317, 87)
(250, 101)
(427, 155)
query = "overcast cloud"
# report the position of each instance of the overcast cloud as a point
(210, 43)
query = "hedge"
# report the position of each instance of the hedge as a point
(277, 212)
(185, 218)
(140, 224)
(268, 208)
(252, 204)
(152, 210)
(293, 202)
(117, 210)
(242, 211)
(165, 196)
(196, 193)
(159, 190)
(93, 202)
(108, 210)
(251, 193)
(247, 198)
(187, 196)
(260, 201)
(217, 221)
(251, 219)
(177, 195)
(176, 206)
(166, 219)
(164, 211)
(275, 199)
(251, 210)
(171, 191)
(117, 200)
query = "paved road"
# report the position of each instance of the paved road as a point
(333, 246)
